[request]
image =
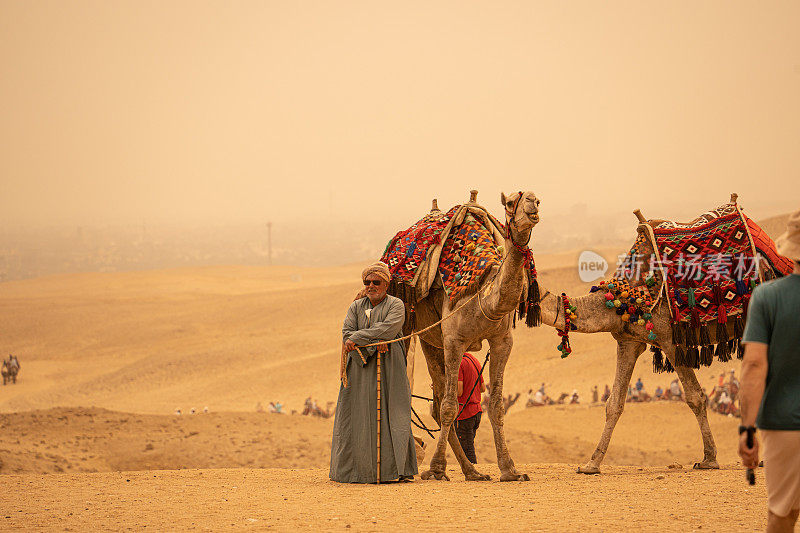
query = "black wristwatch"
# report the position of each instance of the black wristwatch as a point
(742, 429)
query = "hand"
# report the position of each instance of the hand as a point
(349, 345)
(749, 455)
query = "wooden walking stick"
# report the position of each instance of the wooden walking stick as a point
(378, 354)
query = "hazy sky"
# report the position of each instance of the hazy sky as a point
(117, 112)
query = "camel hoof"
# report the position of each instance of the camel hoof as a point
(477, 476)
(514, 476)
(436, 475)
(588, 470)
(706, 465)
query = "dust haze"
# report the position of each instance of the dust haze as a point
(170, 134)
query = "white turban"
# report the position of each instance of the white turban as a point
(380, 268)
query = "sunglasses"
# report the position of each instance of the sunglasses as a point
(375, 282)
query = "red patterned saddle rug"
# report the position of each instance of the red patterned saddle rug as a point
(457, 249)
(409, 248)
(706, 271)
(468, 255)
(765, 246)
(712, 267)
(468, 246)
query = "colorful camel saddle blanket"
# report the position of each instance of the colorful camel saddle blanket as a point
(714, 262)
(705, 270)
(459, 248)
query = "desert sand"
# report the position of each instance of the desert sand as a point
(623, 498)
(107, 358)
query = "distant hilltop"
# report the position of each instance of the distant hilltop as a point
(30, 253)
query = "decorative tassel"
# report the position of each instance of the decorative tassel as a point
(690, 334)
(533, 317)
(680, 356)
(677, 328)
(658, 359)
(534, 311)
(695, 318)
(677, 297)
(677, 333)
(537, 316)
(690, 297)
(732, 344)
(707, 355)
(533, 291)
(723, 352)
(693, 357)
(738, 327)
(722, 337)
(522, 307)
(668, 366)
(704, 339)
(738, 331)
(741, 287)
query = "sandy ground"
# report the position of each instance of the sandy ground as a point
(88, 439)
(556, 499)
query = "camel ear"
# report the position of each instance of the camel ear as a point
(503, 198)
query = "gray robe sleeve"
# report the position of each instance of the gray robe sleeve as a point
(384, 330)
(350, 322)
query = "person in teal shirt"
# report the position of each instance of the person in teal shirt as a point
(770, 393)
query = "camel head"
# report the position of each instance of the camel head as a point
(522, 214)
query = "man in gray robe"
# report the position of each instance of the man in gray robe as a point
(374, 318)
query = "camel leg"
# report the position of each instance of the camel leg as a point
(447, 411)
(501, 350)
(435, 358)
(627, 354)
(697, 403)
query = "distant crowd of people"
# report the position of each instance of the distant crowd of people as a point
(310, 408)
(192, 411)
(638, 393)
(272, 407)
(722, 399)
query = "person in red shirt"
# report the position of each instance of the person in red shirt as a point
(470, 418)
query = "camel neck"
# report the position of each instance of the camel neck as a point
(510, 282)
(593, 315)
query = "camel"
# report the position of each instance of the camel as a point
(594, 317)
(10, 369)
(485, 317)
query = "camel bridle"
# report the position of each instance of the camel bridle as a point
(511, 218)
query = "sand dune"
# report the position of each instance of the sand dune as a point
(229, 337)
(99, 440)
